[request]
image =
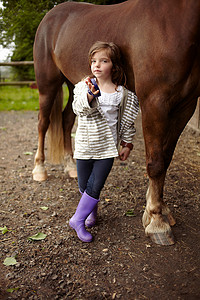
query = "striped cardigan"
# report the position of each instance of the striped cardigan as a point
(94, 139)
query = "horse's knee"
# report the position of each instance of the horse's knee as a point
(44, 118)
(43, 125)
(155, 166)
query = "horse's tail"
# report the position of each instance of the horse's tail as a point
(55, 143)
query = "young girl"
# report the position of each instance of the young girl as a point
(106, 112)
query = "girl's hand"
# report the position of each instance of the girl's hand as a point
(91, 86)
(124, 153)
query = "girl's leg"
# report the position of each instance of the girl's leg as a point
(88, 202)
(84, 170)
(99, 174)
(92, 175)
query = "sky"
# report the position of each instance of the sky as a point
(3, 51)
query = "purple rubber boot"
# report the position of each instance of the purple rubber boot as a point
(77, 222)
(91, 219)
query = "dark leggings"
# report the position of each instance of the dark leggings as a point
(92, 174)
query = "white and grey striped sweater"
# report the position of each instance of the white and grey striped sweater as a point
(94, 139)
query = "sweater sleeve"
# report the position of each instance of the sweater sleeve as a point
(127, 127)
(80, 104)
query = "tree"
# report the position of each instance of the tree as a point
(19, 22)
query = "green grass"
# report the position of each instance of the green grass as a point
(22, 98)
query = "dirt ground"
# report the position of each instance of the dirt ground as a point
(121, 262)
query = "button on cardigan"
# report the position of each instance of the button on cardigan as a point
(94, 139)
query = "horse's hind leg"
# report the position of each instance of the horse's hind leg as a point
(39, 171)
(68, 122)
(47, 96)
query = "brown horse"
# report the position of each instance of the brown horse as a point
(160, 43)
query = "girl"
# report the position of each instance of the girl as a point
(106, 112)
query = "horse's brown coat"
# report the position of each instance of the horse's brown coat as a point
(160, 43)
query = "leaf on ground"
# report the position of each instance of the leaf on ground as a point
(28, 153)
(108, 200)
(3, 229)
(37, 237)
(12, 290)
(10, 261)
(130, 213)
(44, 207)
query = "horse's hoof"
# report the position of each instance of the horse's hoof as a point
(162, 238)
(40, 177)
(72, 173)
(39, 173)
(160, 231)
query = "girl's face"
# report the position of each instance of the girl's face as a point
(101, 65)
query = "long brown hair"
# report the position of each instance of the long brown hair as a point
(118, 75)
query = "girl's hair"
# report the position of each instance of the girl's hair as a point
(118, 75)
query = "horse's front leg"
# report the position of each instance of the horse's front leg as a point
(157, 217)
(68, 122)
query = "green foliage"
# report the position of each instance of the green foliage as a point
(19, 22)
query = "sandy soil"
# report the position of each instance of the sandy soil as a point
(121, 262)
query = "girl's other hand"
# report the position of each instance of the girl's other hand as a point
(124, 153)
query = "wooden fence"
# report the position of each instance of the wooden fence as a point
(13, 64)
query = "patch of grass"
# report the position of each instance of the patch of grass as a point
(22, 98)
